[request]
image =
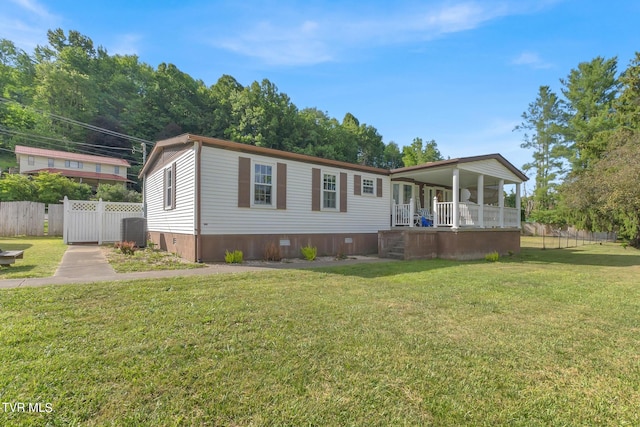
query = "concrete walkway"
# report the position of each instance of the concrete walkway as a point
(87, 264)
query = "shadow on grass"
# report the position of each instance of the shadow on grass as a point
(13, 268)
(6, 246)
(570, 256)
(578, 256)
(372, 270)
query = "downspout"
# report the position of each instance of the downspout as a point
(198, 203)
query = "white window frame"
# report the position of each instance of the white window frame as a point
(51, 163)
(73, 164)
(372, 186)
(116, 170)
(273, 184)
(336, 190)
(168, 188)
(31, 160)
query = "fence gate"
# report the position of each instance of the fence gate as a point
(90, 221)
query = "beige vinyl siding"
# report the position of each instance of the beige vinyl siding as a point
(221, 214)
(490, 167)
(43, 163)
(181, 218)
(39, 163)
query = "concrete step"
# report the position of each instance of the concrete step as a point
(395, 255)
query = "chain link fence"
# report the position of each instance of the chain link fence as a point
(547, 237)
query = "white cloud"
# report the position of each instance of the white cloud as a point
(126, 44)
(25, 22)
(531, 59)
(291, 38)
(284, 46)
(34, 7)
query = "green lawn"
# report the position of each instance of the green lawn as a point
(545, 338)
(42, 255)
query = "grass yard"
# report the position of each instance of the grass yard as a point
(42, 255)
(544, 338)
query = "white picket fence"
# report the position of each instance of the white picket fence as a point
(96, 221)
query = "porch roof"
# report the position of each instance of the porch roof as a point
(493, 166)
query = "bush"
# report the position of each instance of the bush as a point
(234, 257)
(272, 252)
(309, 252)
(127, 248)
(492, 257)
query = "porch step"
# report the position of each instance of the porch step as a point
(397, 250)
(395, 255)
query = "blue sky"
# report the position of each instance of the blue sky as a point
(460, 72)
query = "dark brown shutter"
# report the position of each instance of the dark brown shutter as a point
(357, 185)
(244, 182)
(379, 187)
(315, 189)
(281, 202)
(173, 185)
(343, 192)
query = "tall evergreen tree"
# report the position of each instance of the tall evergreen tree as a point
(542, 126)
(590, 90)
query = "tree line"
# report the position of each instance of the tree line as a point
(70, 78)
(586, 149)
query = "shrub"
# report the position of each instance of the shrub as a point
(309, 252)
(127, 248)
(492, 257)
(234, 257)
(272, 252)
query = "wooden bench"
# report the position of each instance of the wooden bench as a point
(9, 257)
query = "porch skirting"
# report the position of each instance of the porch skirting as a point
(253, 246)
(462, 244)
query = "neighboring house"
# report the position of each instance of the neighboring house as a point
(85, 168)
(205, 195)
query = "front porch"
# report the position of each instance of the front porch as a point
(450, 214)
(453, 209)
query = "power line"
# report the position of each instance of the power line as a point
(65, 141)
(52, 144)
(82, 124)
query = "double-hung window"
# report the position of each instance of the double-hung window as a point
(262, 184)
(329, 192)
(368, 186)
(116, 170)
(50, 162)
(170, 187)
(73, 164)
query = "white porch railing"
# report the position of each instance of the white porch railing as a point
(402, 214)
(469, 215)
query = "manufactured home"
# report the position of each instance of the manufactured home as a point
(205, 196)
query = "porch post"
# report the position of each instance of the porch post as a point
(435, 212)
(412, 211)
(518, 203)
(480, 201)
(456, 198)
(501, 201)
(394, 213)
